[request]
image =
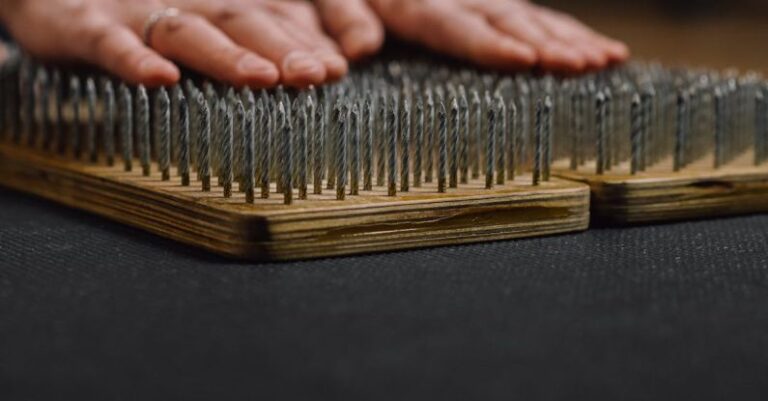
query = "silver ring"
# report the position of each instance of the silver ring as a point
(154, 19)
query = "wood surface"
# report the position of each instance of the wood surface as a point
(698, 191)
(318, 227)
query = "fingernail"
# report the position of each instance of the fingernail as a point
(336, 65)
(151, 65)
(339, 63)
(571, 57)
(621, 49)
(250, 64)
(301, 62)
(155, 67)
(601, 60)
(525, 54)
(360, 42)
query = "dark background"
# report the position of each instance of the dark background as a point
(719, 34)
(90, 309)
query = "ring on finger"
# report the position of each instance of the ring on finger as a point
(154, 19)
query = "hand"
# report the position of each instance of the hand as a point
(504, 34)
(244, 42)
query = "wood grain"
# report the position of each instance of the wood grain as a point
(699, 191)
(318, 227)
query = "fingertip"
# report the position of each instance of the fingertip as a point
(619, 50)
(615, 50)
(561, 58)
(255, 71)
(156, 71)
(596, 58)
(361, 42)
(300, 69)
(518, 53)
(602, 61)
(336, 66)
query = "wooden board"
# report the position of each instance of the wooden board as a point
(318, 227)
(698, 191)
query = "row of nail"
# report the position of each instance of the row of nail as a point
(388, 130)
(395, 125)
(641, 115)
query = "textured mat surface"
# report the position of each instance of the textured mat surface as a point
(93, 310)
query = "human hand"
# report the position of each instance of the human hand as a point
(243, 42)
(504, 34)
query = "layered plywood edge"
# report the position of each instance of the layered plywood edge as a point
(656, 195)
(318, 227)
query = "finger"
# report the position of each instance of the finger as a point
(118, 49)
(195, 42)
(514, 20)
(354, 25)
(300, 21)
(298, 11)
(617, 51)
(446, 29)
(575, 36)
(336, 65)
(257, 30)
(485, 46)
(566, 25)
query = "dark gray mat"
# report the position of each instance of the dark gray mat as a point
(90, 309)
